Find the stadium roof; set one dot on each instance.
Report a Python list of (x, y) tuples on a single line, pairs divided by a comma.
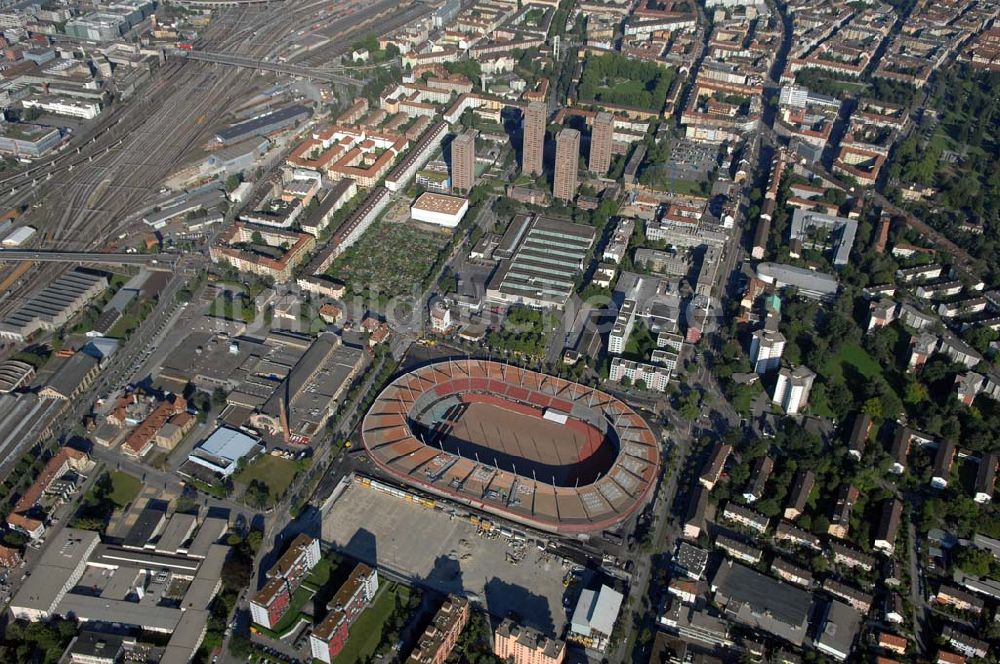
[(586, 505)]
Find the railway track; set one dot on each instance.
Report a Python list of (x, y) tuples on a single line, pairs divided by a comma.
[(81, 197)]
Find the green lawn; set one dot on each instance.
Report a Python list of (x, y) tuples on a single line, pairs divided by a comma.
[(688, 187), (320, 574), (274, 471), (294, 612), (819, 404), (640, 344), (366, 633), (853, 356), (126, 488), (744, 396), (123, 327)]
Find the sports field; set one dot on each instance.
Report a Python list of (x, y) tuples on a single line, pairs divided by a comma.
[(518, 439)]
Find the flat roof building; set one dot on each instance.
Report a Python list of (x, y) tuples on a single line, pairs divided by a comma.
[(329, 637), (221, 451), (91, 647), (691, 560), (815, 285), (300, 406), (440, 637), (791, 392), (439, 209), (839, 629), (545, 264), (56, 573), (761, 602), (525, 645), (594, 619), (823, 231)]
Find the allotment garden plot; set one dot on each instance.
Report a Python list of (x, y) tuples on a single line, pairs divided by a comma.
[(390, 259)]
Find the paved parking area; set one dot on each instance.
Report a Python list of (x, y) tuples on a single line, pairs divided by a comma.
[(446, 554)]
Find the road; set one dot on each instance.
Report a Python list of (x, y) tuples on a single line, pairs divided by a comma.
[(921, 613), (257, 64)]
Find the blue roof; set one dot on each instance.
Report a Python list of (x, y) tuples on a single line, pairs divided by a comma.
[(228, 444)]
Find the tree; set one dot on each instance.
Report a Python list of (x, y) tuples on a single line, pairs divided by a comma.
[(981, 337), (873, 408), (258, 494), (254, 539), (240, 647), (256, 237), (916, 393), (236, 571), (977, 562), (218, 397), (820, 525)]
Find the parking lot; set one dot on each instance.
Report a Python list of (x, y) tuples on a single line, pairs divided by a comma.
[(447, 554)]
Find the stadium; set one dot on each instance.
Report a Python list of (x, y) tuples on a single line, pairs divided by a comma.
[(535, 449)]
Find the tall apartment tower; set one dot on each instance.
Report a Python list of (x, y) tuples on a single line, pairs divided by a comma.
[(766, 347), (791, 392), (600, 143), (463, 161), (534, 138), (567, 164)]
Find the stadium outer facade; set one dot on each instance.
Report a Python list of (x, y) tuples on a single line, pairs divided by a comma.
[(577, 510)]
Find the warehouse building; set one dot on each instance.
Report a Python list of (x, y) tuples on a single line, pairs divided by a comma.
[(439, 209), (545, 264), (54, 305), (262, 125), (18, 236), (299, 408), (595, 616), (14, 375), (126, 587), (28, 140), (222, 450)]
